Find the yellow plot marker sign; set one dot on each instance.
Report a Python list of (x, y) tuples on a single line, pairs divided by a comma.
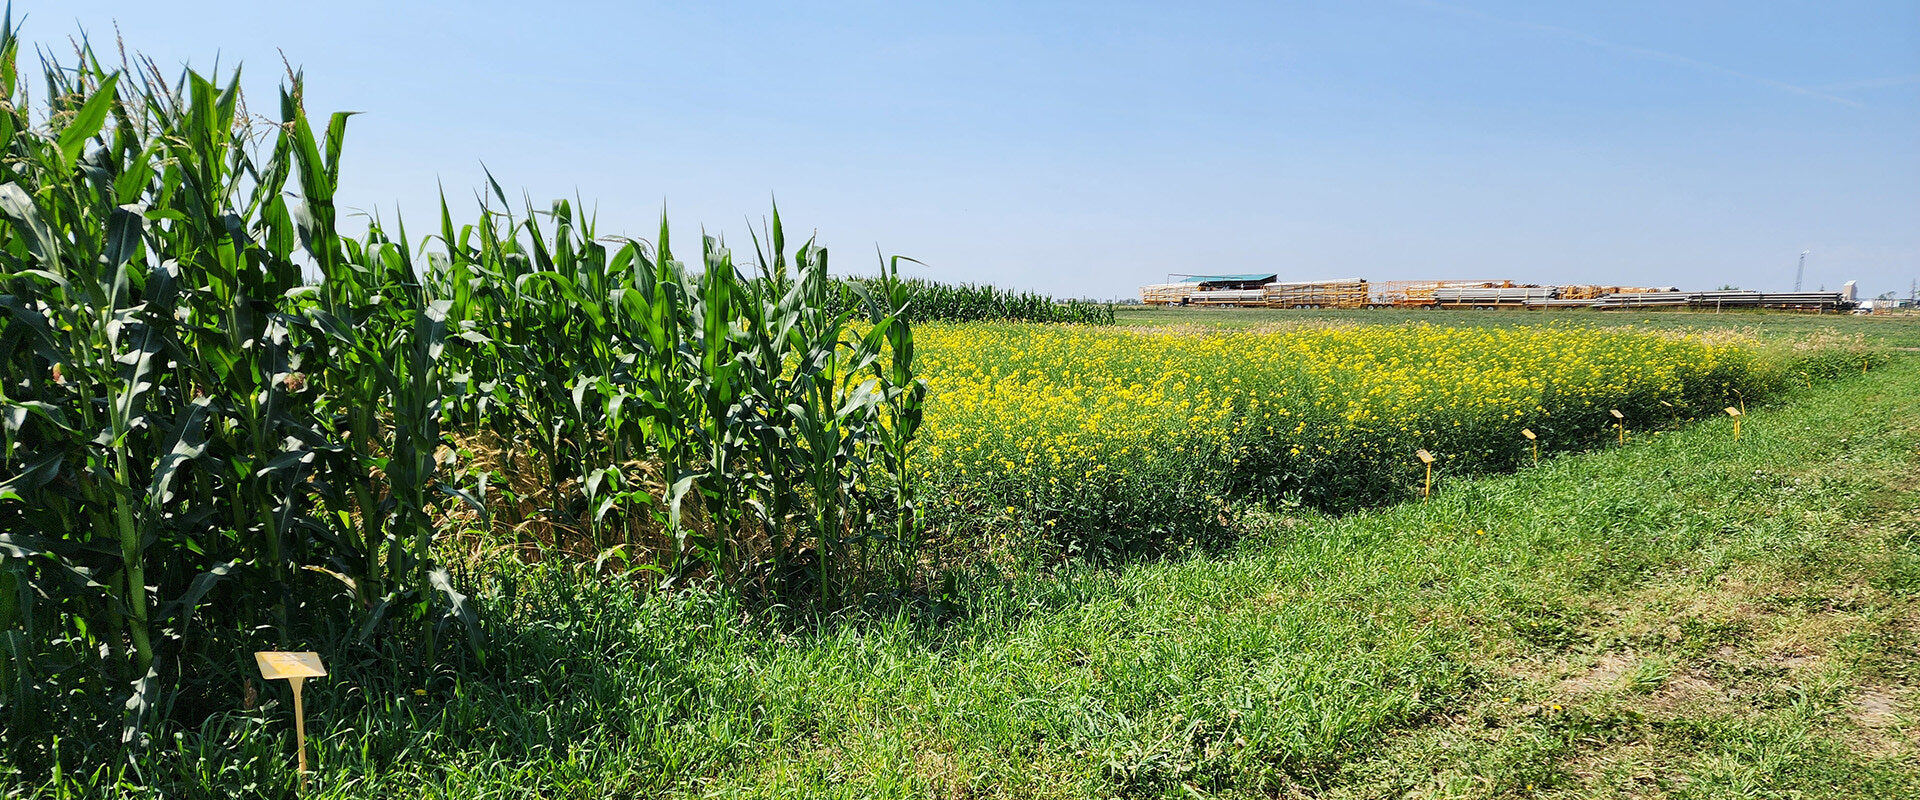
[(1528, 432), (1736, 414), (1619, 421), (294, 668), (1427, 459)]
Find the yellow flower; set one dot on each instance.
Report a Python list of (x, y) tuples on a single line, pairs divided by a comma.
[(1044, 413)]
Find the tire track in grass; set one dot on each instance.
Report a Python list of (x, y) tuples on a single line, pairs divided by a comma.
[(1768, 654)]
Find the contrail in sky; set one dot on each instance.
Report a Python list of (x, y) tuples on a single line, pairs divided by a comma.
[(1871, 83), (1640, 52)]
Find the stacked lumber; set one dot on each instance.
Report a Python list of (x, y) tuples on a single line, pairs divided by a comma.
[(1595, 292), (1420, 293), (1317, 294), (1358, 293), (1167, 294)]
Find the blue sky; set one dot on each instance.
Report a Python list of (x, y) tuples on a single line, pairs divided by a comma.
[(1086, 148)]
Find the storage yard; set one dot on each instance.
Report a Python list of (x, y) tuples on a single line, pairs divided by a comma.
[(1267, 291)]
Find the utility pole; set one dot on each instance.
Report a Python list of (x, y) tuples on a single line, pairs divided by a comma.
[(1802, 272)]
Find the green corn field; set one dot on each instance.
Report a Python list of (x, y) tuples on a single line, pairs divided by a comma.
[(230, 427), (942, 302)]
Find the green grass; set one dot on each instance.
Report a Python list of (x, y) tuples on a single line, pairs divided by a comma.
[(1686, 616), (1890, 331)]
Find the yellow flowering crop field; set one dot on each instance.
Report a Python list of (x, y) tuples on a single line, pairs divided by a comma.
[(1134, 438)]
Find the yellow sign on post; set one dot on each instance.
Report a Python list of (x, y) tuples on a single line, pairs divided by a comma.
[(1736, 414), (1619, 421), (294, 668), (1672, 410), (1535, 440), (1427, 459)]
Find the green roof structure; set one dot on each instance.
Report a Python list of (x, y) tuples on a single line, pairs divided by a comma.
[(1252, 277)]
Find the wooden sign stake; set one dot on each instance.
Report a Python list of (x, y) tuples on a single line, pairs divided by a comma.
[(1528, 432), (1426, 458), (295, 668), (1736, 414), (1619, 421)]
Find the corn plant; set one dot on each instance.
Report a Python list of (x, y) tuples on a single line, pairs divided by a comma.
[(229, 426), (933, 301), (206, 451)]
